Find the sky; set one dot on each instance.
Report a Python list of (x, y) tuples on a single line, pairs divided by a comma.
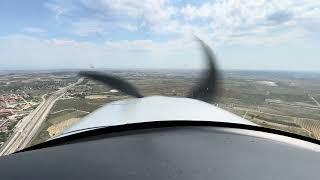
[(244, 34)]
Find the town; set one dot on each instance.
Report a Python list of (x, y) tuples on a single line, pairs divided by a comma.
[(13, 107), (21, 93)]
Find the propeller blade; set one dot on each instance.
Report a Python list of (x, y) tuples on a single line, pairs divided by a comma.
[(114, 82), (206, 89)]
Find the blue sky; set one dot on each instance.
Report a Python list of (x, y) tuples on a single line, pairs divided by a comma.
[(257, 34)]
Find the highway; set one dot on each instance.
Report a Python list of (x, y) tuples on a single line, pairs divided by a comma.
[(27, 128)]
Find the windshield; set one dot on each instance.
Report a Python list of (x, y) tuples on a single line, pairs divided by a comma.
[(266, 53)]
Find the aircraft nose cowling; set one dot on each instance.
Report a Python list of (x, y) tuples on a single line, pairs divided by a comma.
[(155, 108)]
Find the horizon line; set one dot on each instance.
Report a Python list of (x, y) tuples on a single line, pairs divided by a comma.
[(132, 69)]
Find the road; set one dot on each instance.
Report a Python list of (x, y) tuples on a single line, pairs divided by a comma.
[(28, 126), (314, 99)]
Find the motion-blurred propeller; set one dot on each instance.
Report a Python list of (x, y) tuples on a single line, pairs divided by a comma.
[(114, 82), (205, 90)]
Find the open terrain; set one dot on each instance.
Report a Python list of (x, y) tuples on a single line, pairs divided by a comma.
[(286, 101)]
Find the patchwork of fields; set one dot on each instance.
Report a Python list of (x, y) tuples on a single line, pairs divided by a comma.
[(280, 100)]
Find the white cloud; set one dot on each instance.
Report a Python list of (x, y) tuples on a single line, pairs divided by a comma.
[(57, 9), (87, 27), (129, 27), (152, 14), (220, 21), (65, 53), (27, 52), (153, 11), (34, 30), (190, 12), (241, 23), (261, 21)]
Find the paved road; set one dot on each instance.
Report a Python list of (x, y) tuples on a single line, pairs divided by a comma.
[(314, 99), (28, 126)]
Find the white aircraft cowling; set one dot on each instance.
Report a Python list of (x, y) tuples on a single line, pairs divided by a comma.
[(153, 108)]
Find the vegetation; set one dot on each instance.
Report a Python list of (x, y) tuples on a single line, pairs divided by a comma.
[(3, 136), (66, 109), (12, 125), (273, 119), (88, 105), (284, 105), (43, 134)]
